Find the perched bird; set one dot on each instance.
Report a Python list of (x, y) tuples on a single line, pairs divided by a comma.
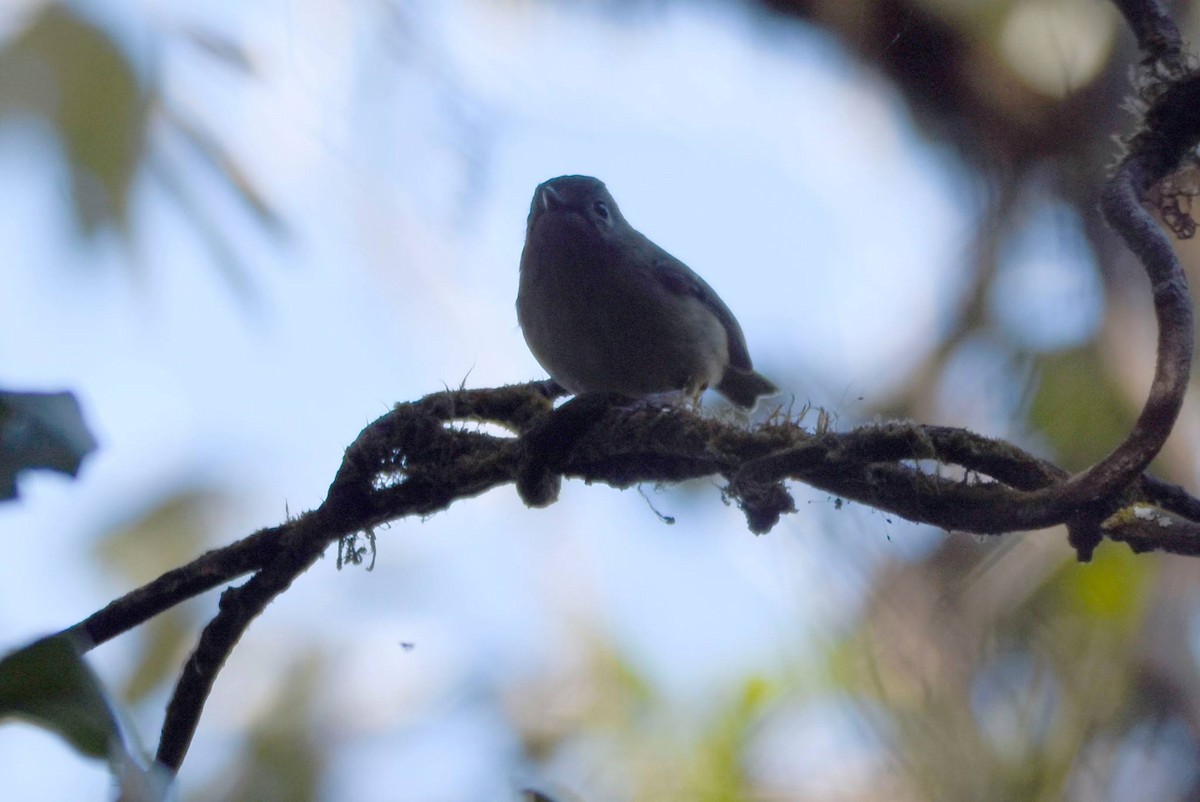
[(604, 309)]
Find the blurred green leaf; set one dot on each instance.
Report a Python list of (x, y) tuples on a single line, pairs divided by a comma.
[(717, 766), (533, 795), (68, 72), (283, 758), (40, 430), (219, 47), (163, 534), (1115, 587), (48, 683), (1112, 590), (214, 156), (167, 534), (170, 180), (65, 69), (165, 641), (1078, 407)]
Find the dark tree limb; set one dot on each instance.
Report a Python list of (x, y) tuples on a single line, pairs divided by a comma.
[(423, 456), (179, 584), (1084, 500), (238, 607), (1157, 35)]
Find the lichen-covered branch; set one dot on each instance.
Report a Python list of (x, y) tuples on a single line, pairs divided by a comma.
[(1157, 34)]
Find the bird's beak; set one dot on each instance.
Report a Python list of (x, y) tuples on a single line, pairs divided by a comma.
[(550, 199)]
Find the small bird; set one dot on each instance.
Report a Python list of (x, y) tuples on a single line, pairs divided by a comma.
[(604, 309)]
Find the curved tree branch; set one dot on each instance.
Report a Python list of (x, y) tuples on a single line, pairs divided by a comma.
[(1083, 501), (1157, 35)]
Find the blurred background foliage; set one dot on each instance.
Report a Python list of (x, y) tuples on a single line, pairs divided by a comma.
[(70, 76), (984, 669), (76, 81)]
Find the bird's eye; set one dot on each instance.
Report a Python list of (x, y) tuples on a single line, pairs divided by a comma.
[(601, 209)]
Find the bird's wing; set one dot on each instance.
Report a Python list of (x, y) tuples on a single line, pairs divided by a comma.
[(680, 279)]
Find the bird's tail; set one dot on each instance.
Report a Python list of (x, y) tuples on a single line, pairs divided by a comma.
[(743, 387)]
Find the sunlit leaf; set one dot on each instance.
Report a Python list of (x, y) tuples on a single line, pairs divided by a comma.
[(1112, 588), (1057, 46), (718, 765), (40, 430)]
